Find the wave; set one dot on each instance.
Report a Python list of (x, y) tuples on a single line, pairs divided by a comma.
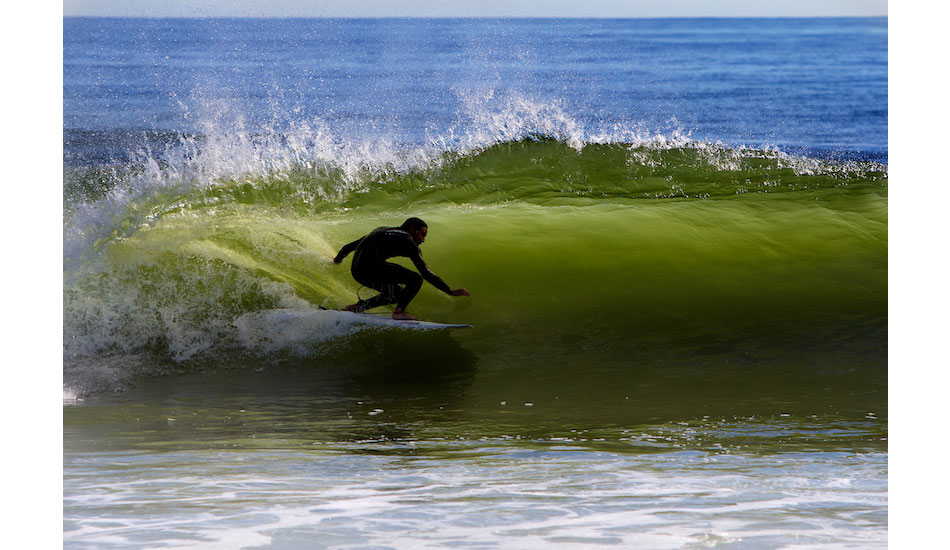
[(573, 242)]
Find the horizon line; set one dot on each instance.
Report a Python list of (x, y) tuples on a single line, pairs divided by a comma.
[(553, 17)]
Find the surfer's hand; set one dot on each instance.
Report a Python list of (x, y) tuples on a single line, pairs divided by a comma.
[(461, 292), (337, 260)]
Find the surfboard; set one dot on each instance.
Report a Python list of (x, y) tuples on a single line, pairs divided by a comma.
[(378, 319)]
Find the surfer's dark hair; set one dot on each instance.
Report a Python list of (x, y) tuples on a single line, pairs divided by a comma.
[(412, 224)]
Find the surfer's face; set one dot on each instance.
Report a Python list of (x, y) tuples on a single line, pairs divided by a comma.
[(419, 235)]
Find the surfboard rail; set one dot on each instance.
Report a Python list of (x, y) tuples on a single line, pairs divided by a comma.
[(380, 320)]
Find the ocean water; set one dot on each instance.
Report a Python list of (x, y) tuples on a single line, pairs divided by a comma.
[(674, 232)]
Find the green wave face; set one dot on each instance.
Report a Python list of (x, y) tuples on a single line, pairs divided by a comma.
[(606, 254)]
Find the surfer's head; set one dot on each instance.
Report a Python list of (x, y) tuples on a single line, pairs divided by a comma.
[(417, 228)]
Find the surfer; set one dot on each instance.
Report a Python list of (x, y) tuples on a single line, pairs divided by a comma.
[(371, 269)]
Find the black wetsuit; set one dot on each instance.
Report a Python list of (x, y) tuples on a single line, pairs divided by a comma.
[(371, 269)]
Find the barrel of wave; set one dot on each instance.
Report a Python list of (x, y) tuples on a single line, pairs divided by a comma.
[(595, 277), (605, 274)]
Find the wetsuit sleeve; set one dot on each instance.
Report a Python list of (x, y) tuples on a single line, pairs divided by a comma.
[(345, 251), (433, 279)]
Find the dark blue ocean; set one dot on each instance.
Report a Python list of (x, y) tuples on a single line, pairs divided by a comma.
[(803, 85), (675, 236)]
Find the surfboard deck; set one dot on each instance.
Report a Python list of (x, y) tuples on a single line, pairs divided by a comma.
[(377, 319)]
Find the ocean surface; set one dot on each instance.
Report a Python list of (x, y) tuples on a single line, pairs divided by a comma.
[(674, 232)]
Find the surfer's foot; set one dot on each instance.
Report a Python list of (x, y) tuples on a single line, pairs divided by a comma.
[(400, 315)]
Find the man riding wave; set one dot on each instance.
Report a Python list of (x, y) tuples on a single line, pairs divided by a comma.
[(395, 284)]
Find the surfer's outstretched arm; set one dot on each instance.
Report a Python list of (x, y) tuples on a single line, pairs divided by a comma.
[(434, 279), (345, 251)]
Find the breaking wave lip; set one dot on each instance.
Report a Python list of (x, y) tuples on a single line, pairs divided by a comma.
[(226, 150)]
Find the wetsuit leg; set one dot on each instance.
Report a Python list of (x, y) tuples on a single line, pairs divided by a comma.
[(386, 278)]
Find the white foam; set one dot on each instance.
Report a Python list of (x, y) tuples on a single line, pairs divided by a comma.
[(71, 396), (292, 330), (528, 499)]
